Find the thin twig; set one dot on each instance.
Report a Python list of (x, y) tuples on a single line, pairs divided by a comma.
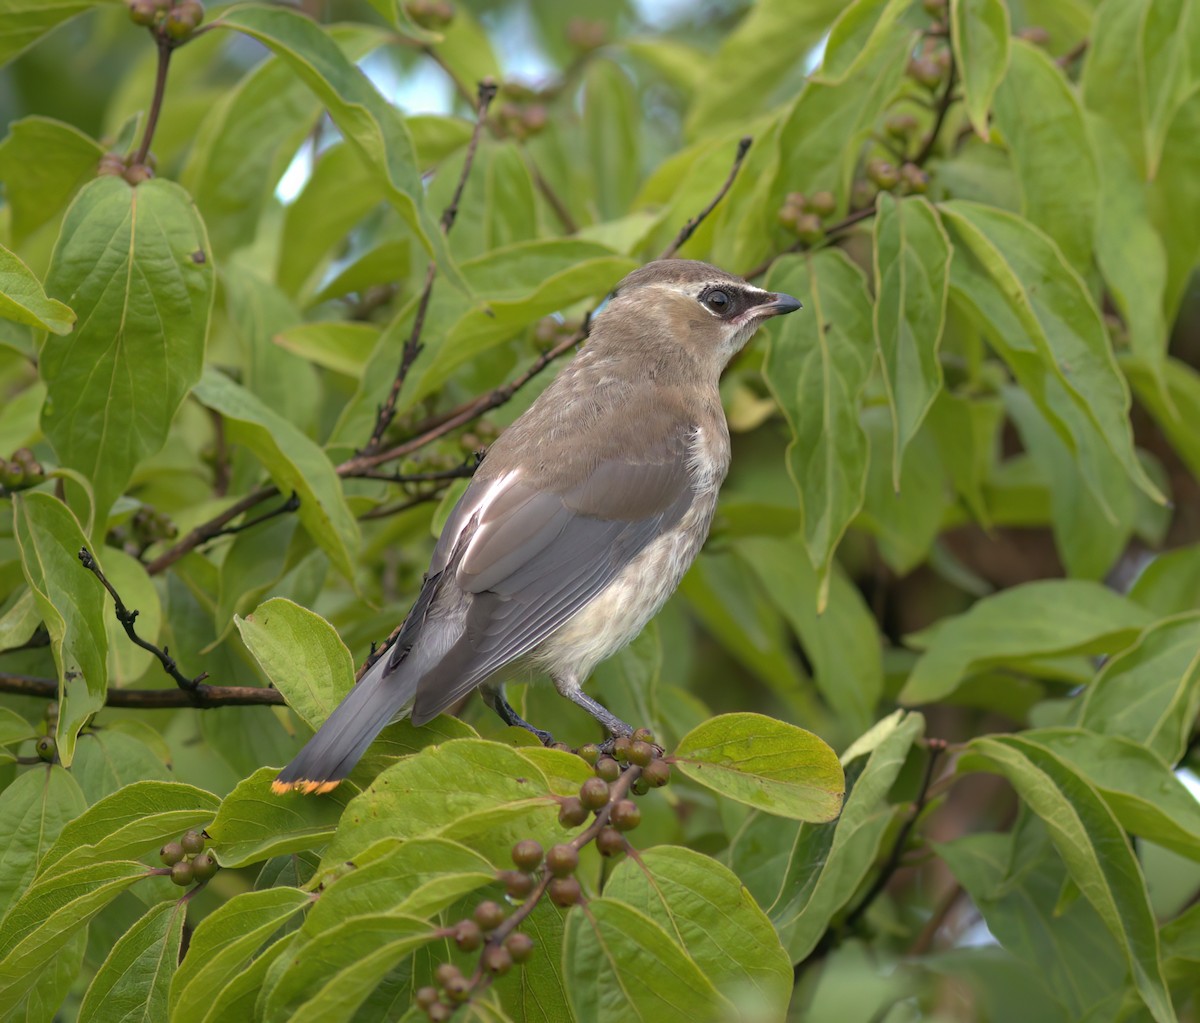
[(939, 117), (385, 511), (165, 48), (689, 228), (1073, 54), (290, 505), (207, 530), (203, 696), (412, 347), (832, 231), (127, 619), (459, 472), (553, 199)]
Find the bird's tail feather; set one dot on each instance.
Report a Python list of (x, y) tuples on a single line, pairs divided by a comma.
[(331, 754)]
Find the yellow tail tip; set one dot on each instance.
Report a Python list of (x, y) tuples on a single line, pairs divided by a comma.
[(304, 785)]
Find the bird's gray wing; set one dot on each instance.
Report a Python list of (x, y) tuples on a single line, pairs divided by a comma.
[(527, 558)]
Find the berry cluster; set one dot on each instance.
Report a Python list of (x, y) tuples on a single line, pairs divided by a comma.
[(146, 526), (630, 764), (188, 860), (805, 215), (173, 20), (23, 470)]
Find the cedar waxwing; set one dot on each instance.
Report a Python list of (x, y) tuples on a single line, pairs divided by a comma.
[(578, 524)]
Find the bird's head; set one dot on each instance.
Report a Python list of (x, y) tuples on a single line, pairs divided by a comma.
[(683, 302)]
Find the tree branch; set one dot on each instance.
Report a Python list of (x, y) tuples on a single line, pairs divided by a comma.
[(412, 347), (165, 48), (203, 696), (939, 117), (690, 227), (127, 618), (210, 529)]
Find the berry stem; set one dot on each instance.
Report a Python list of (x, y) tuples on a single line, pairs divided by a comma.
[(160, 88)]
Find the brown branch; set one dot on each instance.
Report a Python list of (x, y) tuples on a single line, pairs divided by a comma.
[(1073, 54), (290, 505), (385, 511), (203, 696), (553, 199), (459, 472), (127, 619), (833, 231), (690, 227), (165, 48), (207, 530), (412, 347), (939, 117)]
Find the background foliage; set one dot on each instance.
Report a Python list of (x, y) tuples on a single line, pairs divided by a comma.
[(960, 541)]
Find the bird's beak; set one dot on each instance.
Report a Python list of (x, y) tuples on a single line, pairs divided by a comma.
[(779, 305)]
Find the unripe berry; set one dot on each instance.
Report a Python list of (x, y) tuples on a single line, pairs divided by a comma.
[(915, 179), (192, 842), (171, 853), (144, 12), (562, 747), (520, 946), (586, 35), (608, 769), (458, 989), (136, 174), (527, 854), (934, 8), (468, 935), (787, 215), (562, 860), (625, 816), (497, 960), (641, 753), (564, 891), (593, 793), (809, 228), (862, 194), (445, 973), (572, 813), (590, 753), (519, 885), (657, 774), (439, 1013), (425, 997), (47, 748), (609, 842), (204, 866), (489, 915), (182, 874), (901, 126), (925, 72), (883, 174), (640, 786), (800, 201), (823, 203), (620, 748)]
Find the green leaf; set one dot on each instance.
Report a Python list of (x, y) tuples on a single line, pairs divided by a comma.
[(713, 918), (416, 876), (1041, 120), (518, 284), (239, 998), (108, 759), (296, 464), (366, 120), (822, 866), (338, 345), (223, 943), (764, 763), (134, 264), (1175, 199), (979, 32), (1175, 408), (129, 823), (1094, 849), (132, 983), (254, 824), (26, 21), (771, 40), (1170, 584), (1138, 785), (14, 728), (49, 915), (470, 790), (302, 655), (1047, 618), (841, 643), (612, 116), (20, 619), (857, 34), (816, 366), (1150, 692), (244, 144), (71, 602), (334, 973), (912, 282), (22, 299), (43, 163), (1016, 880), (127, 662), (620, 967), (33, 811), (1044, 324)]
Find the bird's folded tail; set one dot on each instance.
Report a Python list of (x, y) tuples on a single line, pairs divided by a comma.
[(330, 755)]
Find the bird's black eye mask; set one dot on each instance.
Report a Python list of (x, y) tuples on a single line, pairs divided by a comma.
[(725, 301)]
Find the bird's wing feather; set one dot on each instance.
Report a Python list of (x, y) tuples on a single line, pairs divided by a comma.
[(530, 558)]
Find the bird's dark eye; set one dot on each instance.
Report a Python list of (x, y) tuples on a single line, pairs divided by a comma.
[(717, 301)]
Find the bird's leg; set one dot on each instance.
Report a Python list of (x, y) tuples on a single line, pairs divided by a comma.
[(568, 686), (494, 697)]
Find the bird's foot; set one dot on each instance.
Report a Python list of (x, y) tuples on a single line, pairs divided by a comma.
[(498, 702)]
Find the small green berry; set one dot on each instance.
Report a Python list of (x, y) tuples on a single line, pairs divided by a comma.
[(439, 1013), (527, 854), (445, 973), (564, 891), (468, 936), (640, 786), (657, 774), (192, 842), (590, 753), (823, 204), (809, 228), (562, 860), (171, 853), (620, 748), (610, 841), (562, 747), (593, 793), (47, 748), (519, 885), (497, 960), (425, 997), (641, 753), (458, 989), (572, 812), (489, 915), (626, 815), (520, 946), (204, 866), (883, 174), (608, 769), (901, 126), (182, 874)]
